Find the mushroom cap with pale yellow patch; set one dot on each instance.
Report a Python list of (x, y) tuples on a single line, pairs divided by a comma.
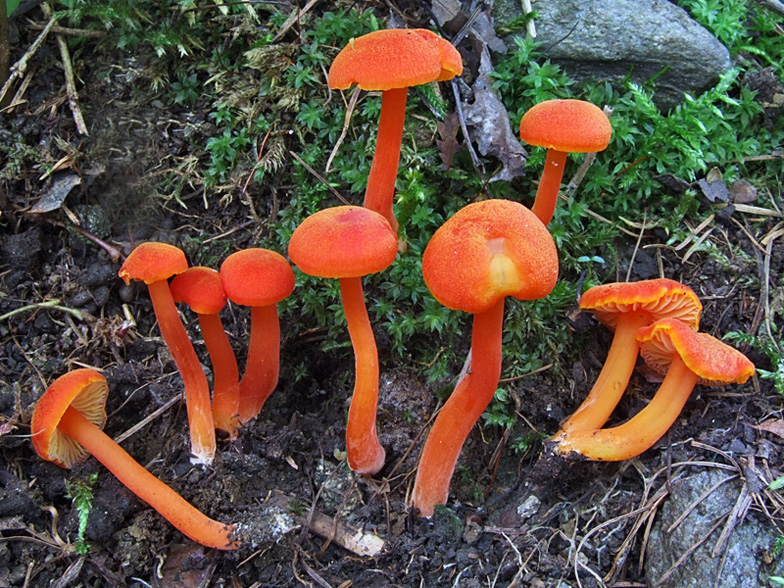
[(152, 262), (573, 126), (489, 250)]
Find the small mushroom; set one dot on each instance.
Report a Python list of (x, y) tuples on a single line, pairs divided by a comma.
[(391, 60), (66, 427), (348, 242), (202, 290), (487, 251), (688, 358), (624, 307), (562, 126), (154, 263), (258, 278)]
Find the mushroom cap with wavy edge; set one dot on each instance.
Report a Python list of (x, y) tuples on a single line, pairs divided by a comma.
[(661, 298), (572, 126), (489, 250), (152, 261), (86, 391), (343, 242), (715, 363), (394, 58), (257, 277), (200, 288)]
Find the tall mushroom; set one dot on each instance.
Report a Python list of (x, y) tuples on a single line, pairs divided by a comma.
[(624, 307), (154, 263), (391, 60), (66, 427), (562, 126), (201, 289), (258, 278), (487, 251), (688, 358), (348, 242)]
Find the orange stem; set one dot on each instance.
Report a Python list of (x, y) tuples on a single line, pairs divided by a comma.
[(197, 389), (365, 454), (641, 431), (263, 365), (380, 191), (226, 388), (458, 415), (549, 185), (173, 507)]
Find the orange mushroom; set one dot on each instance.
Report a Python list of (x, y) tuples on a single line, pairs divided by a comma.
[(258, 278), (624, 307), (348, 242), (154, 263), (201, 289), (391, 60), (66, 427), (487, 251), (688, 358), (562, 126)]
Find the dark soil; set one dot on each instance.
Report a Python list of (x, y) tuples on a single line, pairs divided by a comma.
[(493, 532)]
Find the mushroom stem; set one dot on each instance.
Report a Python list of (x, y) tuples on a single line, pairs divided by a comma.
[(179, 512), (380, 190), (197, 390), (614, 377), (365, 454), (458, 415), (641, 431), (262, 367), (225, 397), (549, 185)]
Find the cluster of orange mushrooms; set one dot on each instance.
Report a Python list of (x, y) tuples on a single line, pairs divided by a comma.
[(487, 251)]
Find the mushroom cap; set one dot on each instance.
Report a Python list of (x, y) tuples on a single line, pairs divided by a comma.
[(394, 58), (343, 242), (574, 126), (257, 277), (200, 288), (715, 363), (86, 391), (489, 250), (662, 298), (152, 262)]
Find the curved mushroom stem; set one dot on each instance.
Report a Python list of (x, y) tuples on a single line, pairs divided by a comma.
[(226, 388), (380, 190), (549, 185), (613, 379), (458, 415), (173, 507), (263, 365), (641, 431), (365, 454), (197, 390)]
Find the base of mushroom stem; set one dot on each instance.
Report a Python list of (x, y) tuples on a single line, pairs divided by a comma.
[(369, 462)]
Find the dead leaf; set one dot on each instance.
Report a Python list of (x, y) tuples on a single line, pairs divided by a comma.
[(743, 192), (187, 566), (714, 190), (57, 194), (673, 182), (448, 145), (775, 426)]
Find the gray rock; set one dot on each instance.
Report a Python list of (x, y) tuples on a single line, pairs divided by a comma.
[(639, 39), (745, 548)]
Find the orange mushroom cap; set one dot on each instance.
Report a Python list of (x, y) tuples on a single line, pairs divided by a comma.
[(573, 126), (257, 277), (343, 242), (151, 262), (394, 58), (489, 250), (200, 288), (714, 362)]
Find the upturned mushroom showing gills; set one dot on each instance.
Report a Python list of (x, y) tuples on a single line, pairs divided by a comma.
[(258, 278), (562, 126), (391, 60), (201, 289), (154, 263), (487, 251), (66, 427), (688, 358), (624, 307), (348, 242)]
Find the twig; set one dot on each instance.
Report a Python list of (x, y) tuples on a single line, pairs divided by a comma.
[(19, 68), (54, 303), (346, 122), (145, 421), (530, 26), (320, 178), (293, 18), (69, 31), (70, 86)]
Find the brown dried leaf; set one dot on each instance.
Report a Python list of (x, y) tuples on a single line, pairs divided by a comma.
[(448, 145), (775, 426)]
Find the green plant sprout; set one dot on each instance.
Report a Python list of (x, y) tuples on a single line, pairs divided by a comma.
[(81, 494), (772, 349)]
